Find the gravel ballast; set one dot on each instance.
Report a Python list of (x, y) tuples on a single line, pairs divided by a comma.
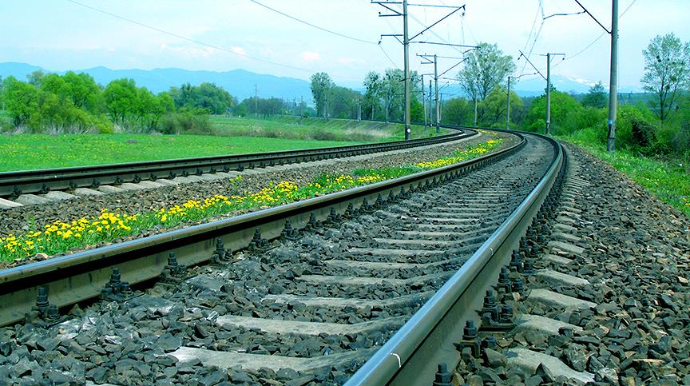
[(635, 258)]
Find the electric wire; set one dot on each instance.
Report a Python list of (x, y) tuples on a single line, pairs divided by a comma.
[(312, 25), (212, 46), (595, 40)]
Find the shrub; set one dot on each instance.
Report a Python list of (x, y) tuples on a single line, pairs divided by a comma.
[(185, 123)]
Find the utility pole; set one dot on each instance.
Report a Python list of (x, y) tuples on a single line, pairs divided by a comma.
[(424, 102), (508, 107), (475, 111), (406, 48), (256, 100), (438, 108), (548, 91), (440, 111), (430, 114), (613, 82), (548, 94), (301, 109), (406, 43), (359, 110), (613, 75)]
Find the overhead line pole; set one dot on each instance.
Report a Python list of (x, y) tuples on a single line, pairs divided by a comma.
[(613, 74), (508, 107), (406, 43), (548, 91), (406, 48), (438, 108), (424, 102), (613, 82)]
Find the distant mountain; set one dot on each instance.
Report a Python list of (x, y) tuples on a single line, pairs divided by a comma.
[(239, 83)]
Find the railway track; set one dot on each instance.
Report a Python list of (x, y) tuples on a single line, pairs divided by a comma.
[(374, 288), (40, 186)]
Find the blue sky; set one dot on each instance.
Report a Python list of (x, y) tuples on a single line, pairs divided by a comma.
[(62, 35)]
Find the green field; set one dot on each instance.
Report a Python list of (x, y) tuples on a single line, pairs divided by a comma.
[(42, 151), (668, 181), (315, 128), (232, 136)]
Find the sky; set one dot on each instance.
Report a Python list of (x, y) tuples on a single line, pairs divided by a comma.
[(222, 35)]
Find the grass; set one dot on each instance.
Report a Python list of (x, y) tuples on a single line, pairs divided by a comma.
[(316, 128), (666, 180), (61, 236), (232, 136), (42, 151)]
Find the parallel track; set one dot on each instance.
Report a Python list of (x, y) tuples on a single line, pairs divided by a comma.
[(455, 225), (14, 184)]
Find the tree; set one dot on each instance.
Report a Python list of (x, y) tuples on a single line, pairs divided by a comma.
[(456, 111), (596, 97), (485, 68), (492, 110), (667, 72), (342, 102), (565, 111), (321, 84), (121, 99), (372, 96), (21, 100)]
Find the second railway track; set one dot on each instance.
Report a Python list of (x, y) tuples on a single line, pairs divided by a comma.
[(23, 186), (304, 306)]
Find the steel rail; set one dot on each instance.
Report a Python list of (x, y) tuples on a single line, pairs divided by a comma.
[(412, 355), (13, 184), (81, 276)]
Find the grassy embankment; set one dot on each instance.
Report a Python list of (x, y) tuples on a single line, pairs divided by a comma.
[(668, 180), (232, 136)]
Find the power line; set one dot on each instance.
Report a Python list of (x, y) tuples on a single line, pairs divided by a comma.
[(312, 25), (389, 58), (595, 40), (215, 47)]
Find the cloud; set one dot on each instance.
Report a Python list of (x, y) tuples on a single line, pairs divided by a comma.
[(310, 56), (188, 52), (239, 50)]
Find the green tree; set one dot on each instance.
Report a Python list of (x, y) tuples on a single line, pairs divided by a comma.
[(342, 102), (596, 97), (371, 102), (492, 110), (121, 99), (485, 68), (457, 111), (21, 100), (321, 85), (667, 72), (565, 111)]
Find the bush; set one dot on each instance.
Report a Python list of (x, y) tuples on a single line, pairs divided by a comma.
[(185, 123)]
